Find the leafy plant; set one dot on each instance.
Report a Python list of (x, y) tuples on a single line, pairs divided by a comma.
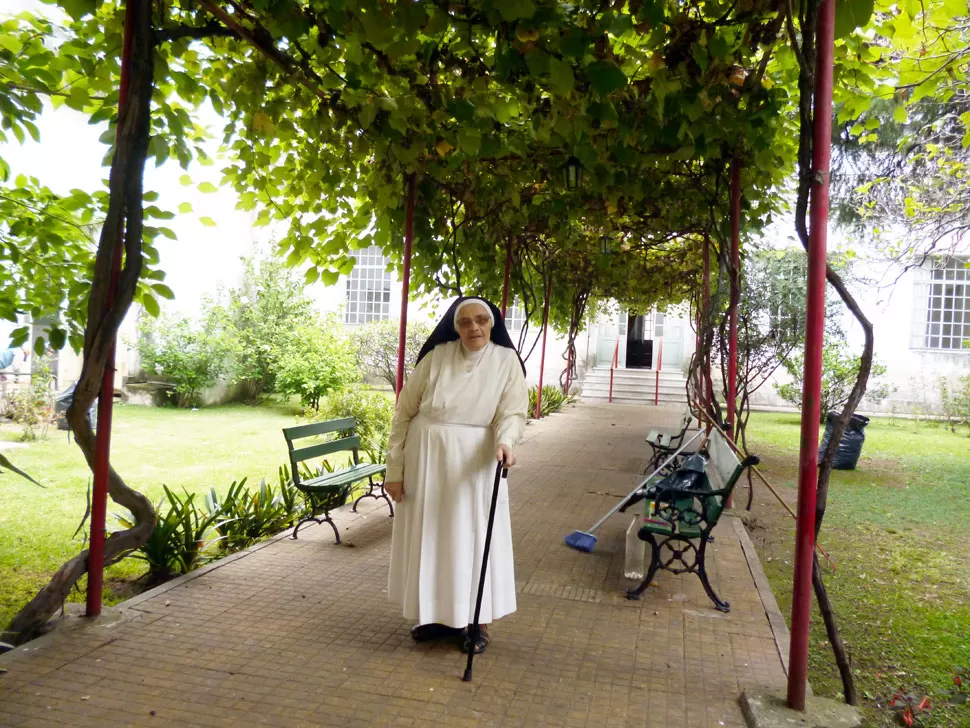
[(33, 407), (261, 321), (187, 354), (373, 412), (250, 516), (839, 371), (316, 361), (553, 400), (955, 402), (907, 707), (376, 345), (182, 534)]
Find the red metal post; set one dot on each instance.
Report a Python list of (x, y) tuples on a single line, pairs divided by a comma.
[(614, 363), (660, 363), (508, 271), (705, 317), (405, 287), (732, 383), (102, 444), (542, 359), (814, 330)]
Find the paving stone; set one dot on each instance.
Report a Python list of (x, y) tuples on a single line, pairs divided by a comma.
[(300, 632)]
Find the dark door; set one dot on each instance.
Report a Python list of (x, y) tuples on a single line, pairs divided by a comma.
[(639, 349)]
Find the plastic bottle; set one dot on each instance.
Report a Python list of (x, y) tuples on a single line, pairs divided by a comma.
[(636, 552)]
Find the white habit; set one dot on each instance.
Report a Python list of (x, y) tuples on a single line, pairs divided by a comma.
[(455, 408)]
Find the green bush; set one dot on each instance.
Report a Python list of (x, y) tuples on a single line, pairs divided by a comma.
[(182, 535), (553, 400), (839, 372), (250, 516), (191, 356), (376, 346), (373, 412), (955, 401), (317, 360), (33, 407)]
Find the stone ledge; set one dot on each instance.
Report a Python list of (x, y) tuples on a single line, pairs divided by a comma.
[(767, 709)]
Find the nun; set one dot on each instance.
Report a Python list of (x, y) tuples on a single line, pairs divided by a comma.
[(461, 412)]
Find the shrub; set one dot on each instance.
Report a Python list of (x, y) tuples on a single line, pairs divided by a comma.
[(373, 412), (955, 401), (33, 407), (190, 356), (839, 372), (376, 346), (553, 400), (182, 535), (318, 360), (250, 516)]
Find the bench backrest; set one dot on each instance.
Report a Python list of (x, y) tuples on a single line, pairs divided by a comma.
[(321, 449), (727, 469)]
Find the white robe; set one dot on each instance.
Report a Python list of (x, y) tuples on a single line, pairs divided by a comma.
[(455, 408)]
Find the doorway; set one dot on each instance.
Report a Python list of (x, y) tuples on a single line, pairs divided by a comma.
[(639, 342)]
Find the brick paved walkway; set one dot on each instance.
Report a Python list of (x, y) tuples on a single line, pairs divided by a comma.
[(300, 633)]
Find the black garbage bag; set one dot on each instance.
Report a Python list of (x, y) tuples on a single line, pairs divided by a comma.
[(850, 448), (62, 400), (689, 476)]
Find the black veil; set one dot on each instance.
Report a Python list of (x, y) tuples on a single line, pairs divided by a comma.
[(445, 330)]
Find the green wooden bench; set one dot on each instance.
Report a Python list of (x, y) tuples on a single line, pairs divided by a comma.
[(680, 528), (328, 490), (664, 444)]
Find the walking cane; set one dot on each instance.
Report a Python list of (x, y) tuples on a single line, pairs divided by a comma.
[(500, 472)]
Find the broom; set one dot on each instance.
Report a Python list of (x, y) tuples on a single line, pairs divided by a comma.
[(500, 472), (585, 540)]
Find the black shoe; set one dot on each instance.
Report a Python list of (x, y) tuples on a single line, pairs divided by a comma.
[(433, 631), (480, 644)]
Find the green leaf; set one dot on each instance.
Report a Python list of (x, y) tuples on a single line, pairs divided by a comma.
[(852, 14), (470, 140), (185, 179), (185, 207), (58, 338), (515, 9), (605, 77), (162, 290), (207, 188), (900, 115), (40, 347), (367, 115), (561, 75), (151, 305), (77, 9), (207, 221), (5, 463)]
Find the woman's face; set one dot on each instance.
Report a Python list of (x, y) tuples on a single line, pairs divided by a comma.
[(474, 326)]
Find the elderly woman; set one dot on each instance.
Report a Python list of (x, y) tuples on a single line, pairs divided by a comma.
[(461, 412)]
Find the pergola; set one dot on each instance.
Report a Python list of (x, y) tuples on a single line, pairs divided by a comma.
[(502, 173)]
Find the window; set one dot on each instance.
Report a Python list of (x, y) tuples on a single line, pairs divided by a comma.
[(368, 288), (515, 317), (947, 320)]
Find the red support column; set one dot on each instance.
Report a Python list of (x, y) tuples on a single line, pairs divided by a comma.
[(405, 286), (732, 383), (102, 444), (814, 330), (508, 270), (705, 317), (542, 360)]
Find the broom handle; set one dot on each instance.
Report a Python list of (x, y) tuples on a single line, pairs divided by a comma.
[(642, 483), (500, 472)]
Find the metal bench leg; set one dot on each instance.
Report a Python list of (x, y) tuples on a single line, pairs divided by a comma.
[(319, 521), (371, 494), (651, 572), (721, 605)]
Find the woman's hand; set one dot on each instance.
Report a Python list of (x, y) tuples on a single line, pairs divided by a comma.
[(504, 452), (395, 490)]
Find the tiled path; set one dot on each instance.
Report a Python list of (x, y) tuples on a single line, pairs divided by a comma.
[(299, 633)]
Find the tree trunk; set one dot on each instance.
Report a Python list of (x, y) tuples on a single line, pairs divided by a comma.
[(104, 319)]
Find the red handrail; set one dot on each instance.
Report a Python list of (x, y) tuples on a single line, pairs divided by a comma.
[(656, 386), (614, 364)]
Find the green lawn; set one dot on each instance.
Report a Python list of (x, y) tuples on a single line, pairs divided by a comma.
[(898, 528), (150, 447)]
